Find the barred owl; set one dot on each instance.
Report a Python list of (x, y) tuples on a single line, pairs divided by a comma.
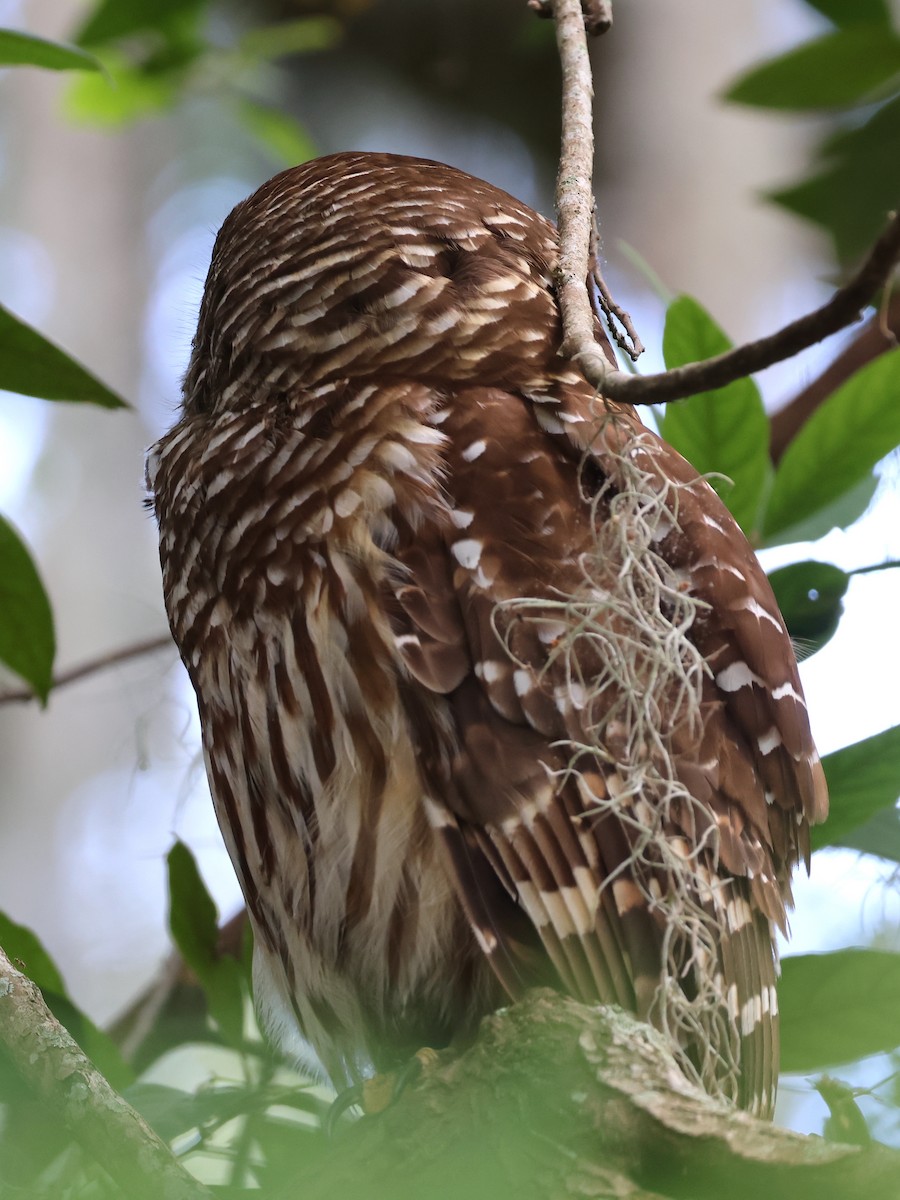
[(493, 691)]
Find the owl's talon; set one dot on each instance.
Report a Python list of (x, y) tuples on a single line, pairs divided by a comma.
[(377, 1093), (343, 1101), (411, 1070)]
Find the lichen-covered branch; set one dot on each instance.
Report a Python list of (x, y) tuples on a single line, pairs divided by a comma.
[(106, 1126), (557, 1100), (574, 198)]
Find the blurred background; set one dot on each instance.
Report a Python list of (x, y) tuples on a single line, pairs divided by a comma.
[(106, 227)]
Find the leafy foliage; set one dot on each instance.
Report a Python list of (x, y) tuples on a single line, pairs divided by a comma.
[(854, 429), (810, 596), (853, 12), (27, 642), (33, 366), (847, 67), (24, 49), (194, 923), (856, 182), (854, 74), (863, 782), (724, 433), (822, 999), (157, 57)]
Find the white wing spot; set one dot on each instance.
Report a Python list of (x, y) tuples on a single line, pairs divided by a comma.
[(731, 1000), (347, 502), (713, 523), (738, 914), (486, 939), (768, 741), (736, 676), (522, 682), (548, 421), (475, 450), (751, 1015), (460, 518), (761, 613), (467, 552), (531, 902), (438, 816), (490, 671)]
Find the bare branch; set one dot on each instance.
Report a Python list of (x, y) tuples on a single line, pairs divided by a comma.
[(574, 200), (94, 665), (107, 1127), (877, 336)]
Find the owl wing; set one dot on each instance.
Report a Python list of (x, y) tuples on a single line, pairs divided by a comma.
[(548, 846)]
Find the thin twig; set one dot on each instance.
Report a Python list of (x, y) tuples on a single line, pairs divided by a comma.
[(107, 1127), (574, 199), (626, 338), (92, 667)]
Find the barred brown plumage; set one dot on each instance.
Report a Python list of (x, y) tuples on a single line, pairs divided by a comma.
[(493, 690)]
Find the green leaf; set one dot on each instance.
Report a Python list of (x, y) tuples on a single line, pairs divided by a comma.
[(840, 514), (290, 37), (111, 19), (35, 367), (725, 431), (841, 69), (863, 779), (853, 12), (880, 835), (27, 641), (24, 949), (838, 446), (193, 917), (855, 185), (193, 920), (125, 94), (285, 138), (168, 1110), (24, 49), (810, 596), (226, 999), (836, 1008)]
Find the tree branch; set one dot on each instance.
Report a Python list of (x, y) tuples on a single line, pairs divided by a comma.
[(92, 667), (558, 1099), (574, 199), (877, 336), (107, 1127)]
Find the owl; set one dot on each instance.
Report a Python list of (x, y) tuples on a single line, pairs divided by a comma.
[(493, 691)]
